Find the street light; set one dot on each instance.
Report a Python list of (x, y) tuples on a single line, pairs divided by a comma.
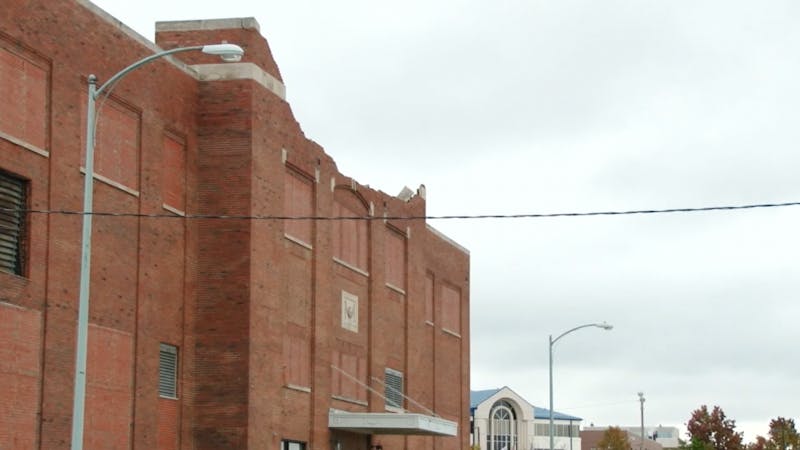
[(641, 401), (604, 326), (228, 53)]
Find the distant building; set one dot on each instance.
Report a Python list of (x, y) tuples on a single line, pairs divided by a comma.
[(666, 436), (502, 420), (591, 437)]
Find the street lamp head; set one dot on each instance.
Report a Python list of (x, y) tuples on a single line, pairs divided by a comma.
[(228, 52), (605, 326)]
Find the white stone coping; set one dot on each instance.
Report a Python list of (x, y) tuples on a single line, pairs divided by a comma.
[(240, 71)]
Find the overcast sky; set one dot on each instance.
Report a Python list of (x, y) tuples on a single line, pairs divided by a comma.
[(525, 106)]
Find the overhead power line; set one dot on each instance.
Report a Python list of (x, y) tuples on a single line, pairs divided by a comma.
[(391, 217)]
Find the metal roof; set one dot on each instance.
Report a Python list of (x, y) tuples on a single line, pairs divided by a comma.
[(478, 397), (544, 413)]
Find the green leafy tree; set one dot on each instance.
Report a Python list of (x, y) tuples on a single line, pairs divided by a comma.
[(782, 434), (712, 431), (614, 439)]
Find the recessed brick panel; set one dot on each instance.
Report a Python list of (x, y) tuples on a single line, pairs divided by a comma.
[(167, 431), (174, 173), (298, 202), (109, 383), (298, 288), (395, 258), (23, 88), (116, 149), (350, 238), (429, 297), (451, 308), (20, 369), (296, 361), (349, 375)]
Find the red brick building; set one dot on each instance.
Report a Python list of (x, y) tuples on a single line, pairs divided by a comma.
[(213, 323)]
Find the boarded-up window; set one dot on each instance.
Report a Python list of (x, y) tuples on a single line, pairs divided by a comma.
[(13, 202), (349, 375), (296, 361), (393, 389), (116, 149), (298, 201), (429, 298), (395, 259), (350, 235), (174, 172), (451, 309), (168, 371), (23, 88)]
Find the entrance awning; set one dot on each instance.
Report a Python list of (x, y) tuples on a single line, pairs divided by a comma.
[(391, 423)]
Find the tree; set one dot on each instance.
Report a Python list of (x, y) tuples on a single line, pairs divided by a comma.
[(614, 439), (713, 431), (782, 434), (759, 444)]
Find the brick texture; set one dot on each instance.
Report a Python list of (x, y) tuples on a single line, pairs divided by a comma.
[(20, 372), (109, 389), (167, 431), (253, 306), (23, 85)]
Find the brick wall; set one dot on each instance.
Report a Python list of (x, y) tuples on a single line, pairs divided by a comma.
[(256, 315)]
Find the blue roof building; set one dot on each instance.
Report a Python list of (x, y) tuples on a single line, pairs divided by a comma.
[(502, 420)]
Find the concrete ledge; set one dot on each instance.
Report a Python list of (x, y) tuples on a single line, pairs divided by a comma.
[(240, 71), (245, 23)]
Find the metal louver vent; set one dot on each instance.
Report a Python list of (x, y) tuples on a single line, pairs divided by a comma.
[(168, 371), (12, 223), (394, 388)]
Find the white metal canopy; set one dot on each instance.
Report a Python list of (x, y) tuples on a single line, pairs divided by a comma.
[(391, 423)]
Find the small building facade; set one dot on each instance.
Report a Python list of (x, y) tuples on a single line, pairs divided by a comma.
[(591, 437), (503, 420), (244, 294), (667, 437)]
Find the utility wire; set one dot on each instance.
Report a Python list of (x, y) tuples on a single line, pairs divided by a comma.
[(389, 217)]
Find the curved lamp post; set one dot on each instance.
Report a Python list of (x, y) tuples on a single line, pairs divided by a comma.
[(228, 53), (604, 326)]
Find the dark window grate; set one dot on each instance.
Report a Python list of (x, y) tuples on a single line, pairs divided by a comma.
[(13, 200), (394, 388), (168, 371)]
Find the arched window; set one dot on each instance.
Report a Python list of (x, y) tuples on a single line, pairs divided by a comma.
[(502, 427)]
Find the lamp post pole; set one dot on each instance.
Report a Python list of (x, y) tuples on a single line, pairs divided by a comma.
[(552, 341), (228, 53), (641, 415)]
